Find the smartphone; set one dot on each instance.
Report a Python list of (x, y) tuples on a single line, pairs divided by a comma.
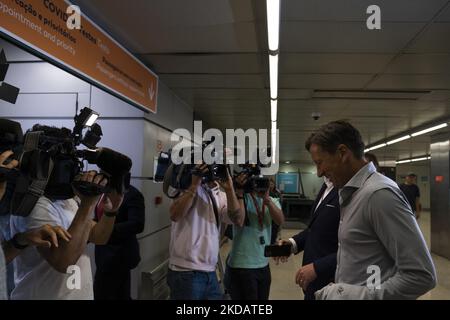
[(277, 251)]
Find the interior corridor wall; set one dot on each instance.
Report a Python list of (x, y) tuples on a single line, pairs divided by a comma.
[(52, 96)]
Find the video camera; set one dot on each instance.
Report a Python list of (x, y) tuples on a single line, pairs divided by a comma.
[(179, 177), (49, 161), (255, 180)]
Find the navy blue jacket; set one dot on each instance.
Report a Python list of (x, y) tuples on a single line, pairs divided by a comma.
[(320, 241), (122, 250)]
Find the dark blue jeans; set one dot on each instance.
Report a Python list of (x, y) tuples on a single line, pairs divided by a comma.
[(194, 285)]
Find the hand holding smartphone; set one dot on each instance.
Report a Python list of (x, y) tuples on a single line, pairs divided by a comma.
[(283, 250)]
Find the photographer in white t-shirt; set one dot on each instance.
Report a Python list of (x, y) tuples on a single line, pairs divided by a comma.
[(45, 236), (63, 272)]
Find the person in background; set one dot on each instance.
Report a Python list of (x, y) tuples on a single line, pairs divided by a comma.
[(43, 273), (412, 193), (273, 190), (120, 255), (276, 194), (45, 236), (249, 269), (378, 233), (197, 215), (370, 157), (319, 243)]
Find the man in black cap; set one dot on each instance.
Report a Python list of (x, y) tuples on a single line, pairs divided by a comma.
[(412, 193)]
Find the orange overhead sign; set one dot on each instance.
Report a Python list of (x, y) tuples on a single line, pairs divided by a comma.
[(89, 51)]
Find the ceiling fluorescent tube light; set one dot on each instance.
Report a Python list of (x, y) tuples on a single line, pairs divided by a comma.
[(274, 109), (274, 143), (398, 140), (273, 23), (367, 150), (378, 146), (273, 66), (419, 159), (443, 125), (403, 161)]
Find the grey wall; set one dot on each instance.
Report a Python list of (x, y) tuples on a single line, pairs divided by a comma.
[(440, 195), (50, 96)]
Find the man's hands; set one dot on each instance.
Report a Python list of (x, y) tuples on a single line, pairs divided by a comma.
[(305, 275), (200, 170), (267, 200), (45, 236), (241, 180), (282, 259), (227, 185), (13, 164), (93, 177), (112, 201)]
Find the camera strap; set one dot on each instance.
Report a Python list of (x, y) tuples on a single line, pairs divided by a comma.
[(259, 213), (214, 204), (37, 186), (167, 181)]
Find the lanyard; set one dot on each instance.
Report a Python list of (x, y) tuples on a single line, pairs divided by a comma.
[(259, 213)]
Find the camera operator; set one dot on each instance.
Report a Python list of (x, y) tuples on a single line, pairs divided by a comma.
[(249, 269), (41, 273), (120, 255), (45, 236), (194, 245)]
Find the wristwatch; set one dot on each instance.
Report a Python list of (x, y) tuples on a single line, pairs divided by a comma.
[(15, 243)]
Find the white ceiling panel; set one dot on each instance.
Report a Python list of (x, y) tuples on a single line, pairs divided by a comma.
[(224, 94), (323, 81), (410, 82), (333, 63), (205, 63), (355, 10), (420, 64), (152, 26), (213, 55), (345, 37), (445, 15), (433, 40), (295, 93), (213, 81)]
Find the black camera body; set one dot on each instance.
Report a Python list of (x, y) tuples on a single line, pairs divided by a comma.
[(179, 177), (256, 182), (49, 161)]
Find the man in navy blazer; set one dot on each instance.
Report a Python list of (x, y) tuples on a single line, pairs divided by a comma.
[(121, 254), (319, 242)]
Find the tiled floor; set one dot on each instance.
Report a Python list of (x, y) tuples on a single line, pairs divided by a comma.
[(284, 288)]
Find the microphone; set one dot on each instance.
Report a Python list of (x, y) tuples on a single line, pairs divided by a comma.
[(113, 162)]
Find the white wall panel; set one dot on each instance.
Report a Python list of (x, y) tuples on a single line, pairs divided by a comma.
[(42, 77), (110, 106), (40, 105)]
